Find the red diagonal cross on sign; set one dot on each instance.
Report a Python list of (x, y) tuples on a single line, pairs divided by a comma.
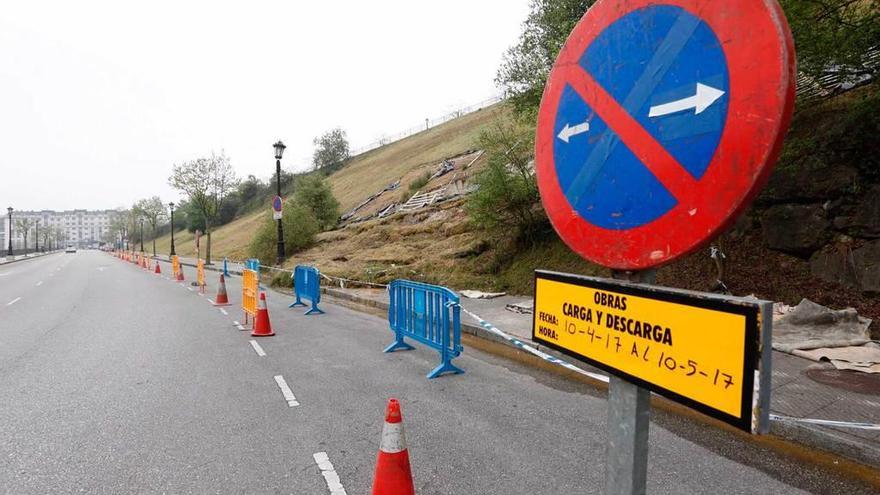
[(674, 177)]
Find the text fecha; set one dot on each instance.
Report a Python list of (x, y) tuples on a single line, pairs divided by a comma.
[(633, 327)]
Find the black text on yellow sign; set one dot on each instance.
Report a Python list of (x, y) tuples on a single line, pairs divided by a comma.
[(696, 349)]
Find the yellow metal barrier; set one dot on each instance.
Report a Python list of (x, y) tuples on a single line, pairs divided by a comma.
[(200, 275), (175, 267), (249, 287)]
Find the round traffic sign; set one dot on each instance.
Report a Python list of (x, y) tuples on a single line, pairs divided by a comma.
[(659, 124), (276, 203)]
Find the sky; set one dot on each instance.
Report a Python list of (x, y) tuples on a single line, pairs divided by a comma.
[(98, 100)]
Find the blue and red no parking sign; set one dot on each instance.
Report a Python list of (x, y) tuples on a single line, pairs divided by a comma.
[(660, 122)]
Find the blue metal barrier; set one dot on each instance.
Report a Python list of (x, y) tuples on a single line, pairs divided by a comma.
[(307, 284), (429, 314), (225, 267)]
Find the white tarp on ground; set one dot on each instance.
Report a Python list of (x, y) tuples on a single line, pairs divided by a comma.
[(475, 294), (813, 326), (865, 358)]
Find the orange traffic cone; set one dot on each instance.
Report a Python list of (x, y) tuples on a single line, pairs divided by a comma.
[(262, 325), (222, 299), (180, 273), (393, 474), (158, 270)]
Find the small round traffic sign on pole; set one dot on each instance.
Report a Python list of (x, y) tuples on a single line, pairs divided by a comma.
[(660, 123), (277, 205)]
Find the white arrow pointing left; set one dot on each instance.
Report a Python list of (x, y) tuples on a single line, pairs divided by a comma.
[(703, 99), (568, 131)]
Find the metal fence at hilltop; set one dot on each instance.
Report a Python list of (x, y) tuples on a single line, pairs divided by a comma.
[(429, 123)]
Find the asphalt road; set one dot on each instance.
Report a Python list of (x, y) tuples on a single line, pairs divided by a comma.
[(114, 380)]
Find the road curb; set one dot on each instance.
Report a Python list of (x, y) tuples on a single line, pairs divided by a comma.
[(803, 435)]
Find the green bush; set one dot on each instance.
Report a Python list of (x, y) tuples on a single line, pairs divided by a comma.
[(420, 182), (313, 192), (300, 228), (507, 200)]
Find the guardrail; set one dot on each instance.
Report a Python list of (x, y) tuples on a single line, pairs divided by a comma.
[(250, 287), (428, 314), (307, 284)]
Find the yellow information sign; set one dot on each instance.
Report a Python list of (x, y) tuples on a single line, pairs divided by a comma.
[(699, 349), (175, 266)]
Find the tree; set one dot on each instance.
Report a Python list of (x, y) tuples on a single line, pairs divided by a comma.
[(118, 226), (313, 192), (252, 189), (154, 211), (526, 65), (331, 149), (833, 36), (507, 199), (206, 182), (24, 225), (48, 234), (60, 236), (300, 228)]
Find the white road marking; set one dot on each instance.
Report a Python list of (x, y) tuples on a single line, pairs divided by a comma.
[(258, 349), (211, 301), (39, 283), (224, 311), (189, 289), (286, 392), (239, 325), (10, 303), (329, 473)]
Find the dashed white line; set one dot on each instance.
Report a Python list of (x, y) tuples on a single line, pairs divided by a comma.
[(223, 311), (189, 289), (39, 283), (258, 349), (201, 295), (329, 473), (239, 325), (286, 392), (211, 301), (10, 303)]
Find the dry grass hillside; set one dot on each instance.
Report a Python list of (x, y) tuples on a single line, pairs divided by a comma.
[(365, 175)]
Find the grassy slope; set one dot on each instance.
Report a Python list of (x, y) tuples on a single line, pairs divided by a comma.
[(366, 174)]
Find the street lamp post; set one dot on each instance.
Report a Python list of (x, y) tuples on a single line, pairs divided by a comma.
[(279, 150), (37, 236), (9, 216), (171, 205), (142, 235)]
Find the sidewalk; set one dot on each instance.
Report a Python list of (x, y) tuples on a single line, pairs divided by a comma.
[(794, 394), (22, 257)]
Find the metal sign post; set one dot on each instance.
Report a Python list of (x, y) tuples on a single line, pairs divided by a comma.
[(629, 414)]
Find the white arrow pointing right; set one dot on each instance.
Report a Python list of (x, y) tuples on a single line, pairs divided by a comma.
[(703, 99)]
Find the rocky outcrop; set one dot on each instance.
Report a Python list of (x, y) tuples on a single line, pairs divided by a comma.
[(796, 229), (856, 267), (809, 182)]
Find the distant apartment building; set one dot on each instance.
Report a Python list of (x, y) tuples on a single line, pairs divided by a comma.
[(81, 228)]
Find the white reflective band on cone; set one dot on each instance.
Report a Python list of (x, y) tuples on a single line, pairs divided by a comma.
[(393, 438)]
